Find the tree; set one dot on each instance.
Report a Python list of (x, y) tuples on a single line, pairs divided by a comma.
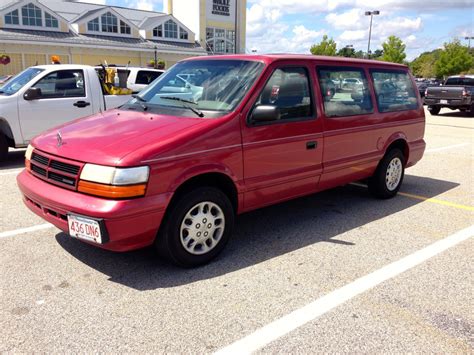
[(377, 54), (453, 59), (325, 47), (347, 52), (424, 65), (393, 50)]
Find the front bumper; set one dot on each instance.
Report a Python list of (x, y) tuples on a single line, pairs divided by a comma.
[(129, 224)]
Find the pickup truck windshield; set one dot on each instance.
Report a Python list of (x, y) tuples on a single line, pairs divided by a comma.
[(215, 85), (460, 82), (18, 81)]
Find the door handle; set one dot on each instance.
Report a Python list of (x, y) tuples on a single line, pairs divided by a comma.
[(81, 103), (311, 145)]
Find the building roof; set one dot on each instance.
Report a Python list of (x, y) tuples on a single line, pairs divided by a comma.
[(75, 11)]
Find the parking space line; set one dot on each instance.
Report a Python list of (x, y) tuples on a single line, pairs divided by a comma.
[(439, 202), (25, 230), (288, 323), (432, 150), (11, 172)]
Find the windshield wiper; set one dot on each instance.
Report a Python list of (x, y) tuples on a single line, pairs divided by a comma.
[(195, 110), (141, 99)]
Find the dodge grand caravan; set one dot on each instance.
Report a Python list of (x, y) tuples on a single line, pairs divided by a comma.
[(174, 165)]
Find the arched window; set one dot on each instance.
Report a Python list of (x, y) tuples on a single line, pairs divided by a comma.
[(12, 18), (183, 34), (109, 23), (31, 15), (50, 21), (171, 29), (158, 31)]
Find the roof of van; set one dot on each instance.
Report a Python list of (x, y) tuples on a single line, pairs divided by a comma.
[(268, 58)]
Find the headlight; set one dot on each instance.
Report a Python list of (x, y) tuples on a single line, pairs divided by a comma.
[(29, 152), (107, 181)]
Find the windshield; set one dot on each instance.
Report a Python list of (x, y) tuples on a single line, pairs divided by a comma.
[(18, 81), (214, 85)]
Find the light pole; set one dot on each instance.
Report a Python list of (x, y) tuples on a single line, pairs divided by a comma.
[(469, 41), (371, 14)]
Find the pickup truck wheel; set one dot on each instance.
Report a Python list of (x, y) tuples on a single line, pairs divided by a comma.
[(434, 110), (196, 228), (3, 147), (388, 177)]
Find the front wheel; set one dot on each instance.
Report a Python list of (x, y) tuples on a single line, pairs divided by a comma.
[(434, 110), (196, 228), (388, 177)]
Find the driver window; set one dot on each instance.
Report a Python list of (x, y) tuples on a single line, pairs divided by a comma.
[(60, 84), (288, 89)]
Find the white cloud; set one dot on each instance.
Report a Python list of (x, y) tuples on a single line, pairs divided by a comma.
[(141, 4)]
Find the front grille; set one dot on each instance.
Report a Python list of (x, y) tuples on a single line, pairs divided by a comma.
[(55, 171)]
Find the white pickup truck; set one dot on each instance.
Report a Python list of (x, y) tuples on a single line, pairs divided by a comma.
[(45, 96)]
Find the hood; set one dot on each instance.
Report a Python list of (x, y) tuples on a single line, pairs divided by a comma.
[(109, 137)]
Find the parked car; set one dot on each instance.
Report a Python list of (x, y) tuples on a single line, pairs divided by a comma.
[(457, 93), (136, 78), (174, 172), (45, 96), (351, 83)]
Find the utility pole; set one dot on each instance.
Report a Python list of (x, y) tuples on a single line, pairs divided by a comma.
[(469, 41), (235, 27), (371, 14)]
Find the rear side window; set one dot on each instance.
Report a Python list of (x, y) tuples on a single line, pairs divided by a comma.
[(345, 91), (145, 77), (394, 90), (288, 89), (461, 81)]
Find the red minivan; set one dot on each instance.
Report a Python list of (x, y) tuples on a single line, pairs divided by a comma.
[(214, 137)]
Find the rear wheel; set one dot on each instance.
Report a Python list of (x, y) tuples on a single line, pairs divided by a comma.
[(434, 110), (3, 147), (196, 228), (388, 177)]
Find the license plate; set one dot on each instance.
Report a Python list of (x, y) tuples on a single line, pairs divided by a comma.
[(84, 228), (443, 101)]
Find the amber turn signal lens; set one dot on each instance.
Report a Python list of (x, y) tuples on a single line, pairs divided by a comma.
[(110, 191), (27, 165)]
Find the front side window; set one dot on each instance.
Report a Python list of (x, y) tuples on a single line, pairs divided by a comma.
[(345, 91), (158, 31), (214, 85), (31, 15), (171, 29), (93, 25), (12, 18), (288, 89), (61, 84), (124, 28), (394, 90), (109, 23), (50, 21)]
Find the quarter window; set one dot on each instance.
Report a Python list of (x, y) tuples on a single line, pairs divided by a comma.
[(171, 29), (50, 21), (31, 15), (288, 89), (345, 91), (394, 90), (12, 18), (109, 23)]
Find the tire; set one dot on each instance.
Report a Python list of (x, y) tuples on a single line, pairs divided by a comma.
[(3, 147), (188, 242), (434, 110), (388, 176)]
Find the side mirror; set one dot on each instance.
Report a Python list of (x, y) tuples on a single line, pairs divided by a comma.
[(32, 94), (265, 113)]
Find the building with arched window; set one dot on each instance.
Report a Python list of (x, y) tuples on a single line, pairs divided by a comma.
[(219, 25), (31, 31)]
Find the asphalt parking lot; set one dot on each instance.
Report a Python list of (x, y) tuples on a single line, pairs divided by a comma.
[(287, 282)]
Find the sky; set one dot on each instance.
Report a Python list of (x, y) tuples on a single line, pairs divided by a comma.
[(292, 26)]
